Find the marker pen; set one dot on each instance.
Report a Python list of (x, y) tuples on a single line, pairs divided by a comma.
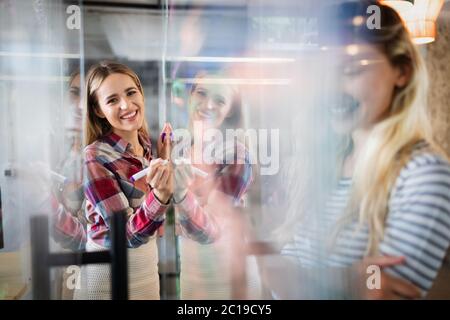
[(195, 170), (143, 173), (163, 136), (139, 175), (58, 177)]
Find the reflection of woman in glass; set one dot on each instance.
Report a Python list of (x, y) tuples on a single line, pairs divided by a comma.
[(209, 247), (390, 206), (118, 146), (68, 222)]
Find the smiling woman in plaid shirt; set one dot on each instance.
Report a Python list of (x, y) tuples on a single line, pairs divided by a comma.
[(118, 146), (211, 254)]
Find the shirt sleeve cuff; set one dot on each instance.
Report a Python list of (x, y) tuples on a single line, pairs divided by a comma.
[(186, 205), (154, 208)]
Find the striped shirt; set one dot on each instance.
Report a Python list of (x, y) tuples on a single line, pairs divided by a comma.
[(417, 225), (109, 165)]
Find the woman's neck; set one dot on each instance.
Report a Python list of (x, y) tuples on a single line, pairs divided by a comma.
[(132, 138), (359, 138)]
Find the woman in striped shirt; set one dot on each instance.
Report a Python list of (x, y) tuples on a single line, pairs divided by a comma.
[(118, 146), (391, 203)]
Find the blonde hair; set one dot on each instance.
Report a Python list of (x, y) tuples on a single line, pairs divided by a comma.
[(392, 140), (96, 127)]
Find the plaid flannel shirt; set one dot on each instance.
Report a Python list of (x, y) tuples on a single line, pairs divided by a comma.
[(68, 221), (109, 165), (67, 202), (232, 179)]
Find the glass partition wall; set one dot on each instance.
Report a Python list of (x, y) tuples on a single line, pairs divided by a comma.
[(41, 47)]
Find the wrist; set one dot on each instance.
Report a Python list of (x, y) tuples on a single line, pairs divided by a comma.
[(178, 196), (162, 197)]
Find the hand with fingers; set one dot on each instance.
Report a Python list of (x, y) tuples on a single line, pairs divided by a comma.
[(160, 179), (160, 173), (391, 287), (164, 144), (183, 178)]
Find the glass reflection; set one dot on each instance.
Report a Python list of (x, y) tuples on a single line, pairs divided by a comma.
[(212, 180)]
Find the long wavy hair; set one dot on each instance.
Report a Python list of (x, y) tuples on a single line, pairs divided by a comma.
[(96, 127), (392, 140)]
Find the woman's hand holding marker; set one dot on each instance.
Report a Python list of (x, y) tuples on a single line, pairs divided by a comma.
[(160, 179), (164, 144), (159, 175), (184, 174), (183, 178)]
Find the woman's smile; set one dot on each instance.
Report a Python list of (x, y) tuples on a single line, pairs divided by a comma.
[(130, 116), (205, 114), (346, 105)]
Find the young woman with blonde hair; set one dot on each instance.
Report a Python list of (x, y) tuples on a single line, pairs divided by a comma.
[(212, 255), (118, 146), (390, 205)]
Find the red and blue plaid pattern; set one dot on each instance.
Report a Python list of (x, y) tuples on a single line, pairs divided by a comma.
[(69, 227), (67, 199), (231, 179), (109, 164)]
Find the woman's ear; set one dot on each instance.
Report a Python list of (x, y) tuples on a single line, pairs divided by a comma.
[(404, 72), (98, 112)]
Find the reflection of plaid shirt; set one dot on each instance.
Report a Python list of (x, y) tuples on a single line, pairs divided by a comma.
[(232, 179), (109, 164), (67, 200), (68, 222)]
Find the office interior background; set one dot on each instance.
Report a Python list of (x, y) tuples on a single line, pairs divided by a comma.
[(269, 48)]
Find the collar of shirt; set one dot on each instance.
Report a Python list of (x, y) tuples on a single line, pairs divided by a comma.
[(121, 145)]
